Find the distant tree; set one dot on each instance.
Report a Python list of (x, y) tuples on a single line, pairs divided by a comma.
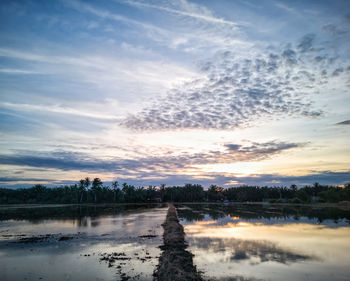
[(84, 185), (190, 192), (129, 192), (81, 189), (162, 191), (293, 189), (115, 186), (96, 187), (214, 193)]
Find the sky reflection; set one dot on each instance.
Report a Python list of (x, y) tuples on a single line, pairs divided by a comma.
[(92, 231), (230, 246)]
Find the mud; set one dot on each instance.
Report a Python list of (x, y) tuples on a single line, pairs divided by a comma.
[(42, 238), (120, 260), (148, 236), (175, 263)]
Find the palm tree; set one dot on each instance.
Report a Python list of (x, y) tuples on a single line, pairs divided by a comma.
[(115, 185), (83, 186), (162, 191), (96, 185)]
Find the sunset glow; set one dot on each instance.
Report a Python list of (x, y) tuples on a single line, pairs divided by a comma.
[(153, 92)]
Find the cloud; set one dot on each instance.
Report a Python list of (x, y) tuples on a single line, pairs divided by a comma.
[(237, 91), (189, 10), (333, 29), (323, 177), (259, 250), (346, 122), (13, 179), (347, 18), (306, 42), (83, 7), (286, 8), (266, 148), (151, 166), (205, 34), (233, 147), (17, 71), (57, 109)]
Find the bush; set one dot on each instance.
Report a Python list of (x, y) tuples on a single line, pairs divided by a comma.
[(344, 203), (296, 200)]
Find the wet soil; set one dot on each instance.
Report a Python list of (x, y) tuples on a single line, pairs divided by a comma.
[(148, 236), (22, 238), (175, 263), (120, 260)]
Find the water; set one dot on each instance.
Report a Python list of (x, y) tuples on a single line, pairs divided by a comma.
[(70, 243), (230, 242), (257, 242)]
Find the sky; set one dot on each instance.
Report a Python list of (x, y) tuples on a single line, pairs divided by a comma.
[(174, 92)]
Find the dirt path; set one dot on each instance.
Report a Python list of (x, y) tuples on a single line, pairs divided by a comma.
[(175, 263)]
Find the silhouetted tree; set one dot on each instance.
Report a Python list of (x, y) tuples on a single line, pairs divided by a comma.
[(115, 186), (188, 193), (96, 187)]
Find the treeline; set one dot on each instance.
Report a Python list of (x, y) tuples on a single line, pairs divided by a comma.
[(87, 191)]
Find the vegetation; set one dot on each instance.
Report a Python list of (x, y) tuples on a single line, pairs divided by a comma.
[(87, 191)]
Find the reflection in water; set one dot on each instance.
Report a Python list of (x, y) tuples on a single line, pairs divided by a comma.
[(235, 278), (252, 242), (259, 212), (260, 251), (74, 213), (69, 242)]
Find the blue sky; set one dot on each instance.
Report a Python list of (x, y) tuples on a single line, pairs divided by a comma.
[(152, 92)]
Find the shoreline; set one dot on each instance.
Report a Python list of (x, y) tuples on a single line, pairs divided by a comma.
[(318, 205)]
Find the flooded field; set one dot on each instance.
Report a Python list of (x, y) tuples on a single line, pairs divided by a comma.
[(80, 242), (121, 242), (255, 242)]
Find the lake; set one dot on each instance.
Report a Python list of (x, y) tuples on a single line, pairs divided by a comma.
[(121, 242)]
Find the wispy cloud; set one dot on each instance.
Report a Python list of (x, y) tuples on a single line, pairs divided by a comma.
[(17, 71), (54, 59), (87, 68), (191, 11), (267, 148), (105, 14), (190, 38), (286, 8), (57, 109)]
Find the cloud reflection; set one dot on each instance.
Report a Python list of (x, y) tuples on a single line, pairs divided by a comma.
[(256, 251)]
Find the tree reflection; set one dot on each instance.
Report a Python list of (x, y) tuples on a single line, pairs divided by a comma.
[(197, 212), (79, 214)]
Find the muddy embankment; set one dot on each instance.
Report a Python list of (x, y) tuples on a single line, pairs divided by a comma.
[(175, 263)]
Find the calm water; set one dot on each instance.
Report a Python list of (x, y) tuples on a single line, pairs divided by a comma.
[(253, 242), (239, 242), (70, 243)]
